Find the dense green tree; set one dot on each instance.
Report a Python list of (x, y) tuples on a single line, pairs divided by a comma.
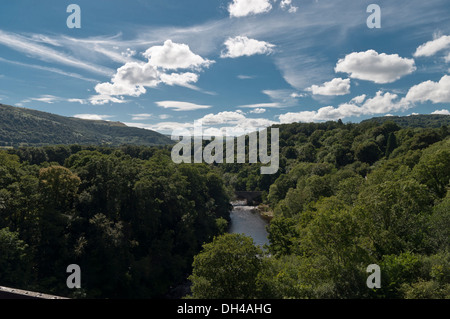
[(433, 168), (391, 144), (227, 268), (368, 152), (14, 261)]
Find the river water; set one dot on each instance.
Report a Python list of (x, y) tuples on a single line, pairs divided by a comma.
[(245, 220)]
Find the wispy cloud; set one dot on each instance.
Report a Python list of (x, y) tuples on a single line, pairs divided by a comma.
[(45, 53), (181, 106), (141, 116), (49, 69), (98, 117)]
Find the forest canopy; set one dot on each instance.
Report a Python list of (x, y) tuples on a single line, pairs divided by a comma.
[(345, 196)]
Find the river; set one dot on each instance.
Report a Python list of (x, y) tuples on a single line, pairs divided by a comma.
[(245, 220)]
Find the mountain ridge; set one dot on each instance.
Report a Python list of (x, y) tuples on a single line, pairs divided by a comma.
[(27, 127)]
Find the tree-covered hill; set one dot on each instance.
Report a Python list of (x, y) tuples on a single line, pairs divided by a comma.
[(346, 196), (419, 120), (26, 127)]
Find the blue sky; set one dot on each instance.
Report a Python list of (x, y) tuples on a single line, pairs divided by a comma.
[(239, 64)]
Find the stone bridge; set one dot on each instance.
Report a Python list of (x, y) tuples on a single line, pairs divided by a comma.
[(252, 198)]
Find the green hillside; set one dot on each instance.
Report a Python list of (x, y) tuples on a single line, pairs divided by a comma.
[(420, 120), (26, 127)]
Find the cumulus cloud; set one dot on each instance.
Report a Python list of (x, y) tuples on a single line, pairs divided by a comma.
[(337, 86), (164, 127), (174, 56), (133, 77), (101, 99), (243, 46), (441, 112), (379, 104), (287, 5), (181, 79), (372, 66), (226, 117), (436, 92), (128, 53), (181, 106), (242, 8), (432, 47), (130, 79), (258, 111), (358, 99)]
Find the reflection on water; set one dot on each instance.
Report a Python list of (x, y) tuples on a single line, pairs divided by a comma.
[(244, 219)]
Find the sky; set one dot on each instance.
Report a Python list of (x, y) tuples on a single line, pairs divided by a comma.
[(229, 64)]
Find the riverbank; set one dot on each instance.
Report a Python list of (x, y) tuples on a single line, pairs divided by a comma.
[(265, 212)]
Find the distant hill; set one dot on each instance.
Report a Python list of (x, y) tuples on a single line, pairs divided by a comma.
[(26, 127), (421, 120)]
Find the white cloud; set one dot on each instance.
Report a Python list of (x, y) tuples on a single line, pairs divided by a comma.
[(172, 56), (133, 77), (97, 117), (50, 99), (164, 116), (242, 8), (442, 112), (81, 101), (379, 104), (383, 103), (226, 117), (101, 99), (258, 111), (128, 53), (337, 86), (49, 69), (243, 46), (358, 99), (303, 116), (262, 105), (287, 5), (371, 66), (140, 117), (181, 79), (163, 127), (44, 53), (181, 106), (436, 92), (280, 98), (130, 79), (432, 47), (245, 77), (297, 95)]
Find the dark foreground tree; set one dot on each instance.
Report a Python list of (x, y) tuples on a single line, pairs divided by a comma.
[(226, 268)]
